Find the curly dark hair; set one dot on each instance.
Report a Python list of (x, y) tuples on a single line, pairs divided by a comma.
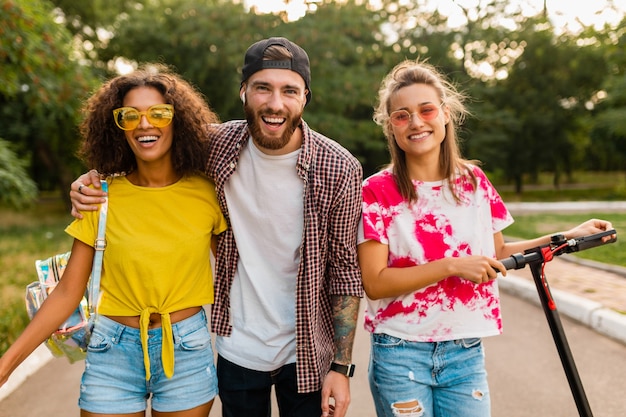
[(104, 145)]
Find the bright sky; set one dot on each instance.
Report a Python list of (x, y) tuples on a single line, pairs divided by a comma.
[(562, 11)]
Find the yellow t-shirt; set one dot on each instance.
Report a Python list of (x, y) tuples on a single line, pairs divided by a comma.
[(157, 256)]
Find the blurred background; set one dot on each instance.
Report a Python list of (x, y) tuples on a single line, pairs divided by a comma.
[(546, 77)]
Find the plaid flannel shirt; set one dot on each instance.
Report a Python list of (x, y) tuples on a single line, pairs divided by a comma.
[(332, 208)]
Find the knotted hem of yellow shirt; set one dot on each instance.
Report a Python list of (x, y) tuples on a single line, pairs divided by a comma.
[(167, 343)]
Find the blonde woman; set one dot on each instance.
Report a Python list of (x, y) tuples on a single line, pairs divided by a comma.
[(430, 237)]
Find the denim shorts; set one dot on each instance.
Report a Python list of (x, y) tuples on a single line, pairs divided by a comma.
[(419, 379), (114, 381)]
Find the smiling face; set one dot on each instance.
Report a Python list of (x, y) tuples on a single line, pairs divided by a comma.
[(419, 139), (151, 145), (274, 101)]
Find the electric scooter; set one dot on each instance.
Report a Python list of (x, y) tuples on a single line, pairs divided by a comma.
[(536, 259)]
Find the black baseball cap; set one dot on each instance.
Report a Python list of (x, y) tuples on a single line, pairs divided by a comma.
[(299, 62)]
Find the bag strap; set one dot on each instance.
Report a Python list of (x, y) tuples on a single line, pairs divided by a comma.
[(99, 245)]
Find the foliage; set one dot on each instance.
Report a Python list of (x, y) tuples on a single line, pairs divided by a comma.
[(541, 99), (41, 88), (541, 105), (16, 188), (203, 41), (347, 67), (608, 127)]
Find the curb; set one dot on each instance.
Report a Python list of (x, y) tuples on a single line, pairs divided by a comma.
[(36, 360), (590, 313)]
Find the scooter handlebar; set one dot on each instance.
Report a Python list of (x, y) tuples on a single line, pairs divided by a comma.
[(591, 241), (519, 260), (515, 261)]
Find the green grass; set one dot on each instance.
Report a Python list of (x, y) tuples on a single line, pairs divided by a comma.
[(27, 235), (584, 186)]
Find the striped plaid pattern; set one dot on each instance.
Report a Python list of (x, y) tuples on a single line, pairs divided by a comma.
[(328, 266)]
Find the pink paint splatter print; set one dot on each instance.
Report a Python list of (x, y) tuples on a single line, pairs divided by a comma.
[(431, 235), (434, 228)]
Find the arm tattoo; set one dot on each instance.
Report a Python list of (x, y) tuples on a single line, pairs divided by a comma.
[(345, 314)]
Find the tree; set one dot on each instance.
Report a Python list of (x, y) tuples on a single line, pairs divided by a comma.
[(41, 89), (348, 61), (203, 41), (548, 89), (530, 87), (608, 126), (532, 113), (16, 187), (342, 40)]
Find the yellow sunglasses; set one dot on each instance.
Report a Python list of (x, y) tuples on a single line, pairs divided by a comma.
[(128, 118)]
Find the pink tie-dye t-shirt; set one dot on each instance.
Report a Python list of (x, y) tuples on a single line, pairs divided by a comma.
[(435, 227)]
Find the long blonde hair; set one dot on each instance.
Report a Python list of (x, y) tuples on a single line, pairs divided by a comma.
[(451, 163)]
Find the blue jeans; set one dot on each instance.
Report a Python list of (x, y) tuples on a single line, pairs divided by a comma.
[(114, 381), (246, 392), (441, 379)]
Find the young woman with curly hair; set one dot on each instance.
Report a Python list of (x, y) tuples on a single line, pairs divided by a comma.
[(146, 131)]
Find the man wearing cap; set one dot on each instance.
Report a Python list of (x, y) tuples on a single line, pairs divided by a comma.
[(288, 284)]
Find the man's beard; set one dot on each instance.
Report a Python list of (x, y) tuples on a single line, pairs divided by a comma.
[(264, 141)]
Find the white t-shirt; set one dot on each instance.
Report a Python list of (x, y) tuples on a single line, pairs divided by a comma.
[(433, 228), (265, 202)]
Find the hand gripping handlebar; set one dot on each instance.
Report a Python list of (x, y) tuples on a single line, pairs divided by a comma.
[(558, 246)]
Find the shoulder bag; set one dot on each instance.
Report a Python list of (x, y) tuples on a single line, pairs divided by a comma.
[(72, 337)]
